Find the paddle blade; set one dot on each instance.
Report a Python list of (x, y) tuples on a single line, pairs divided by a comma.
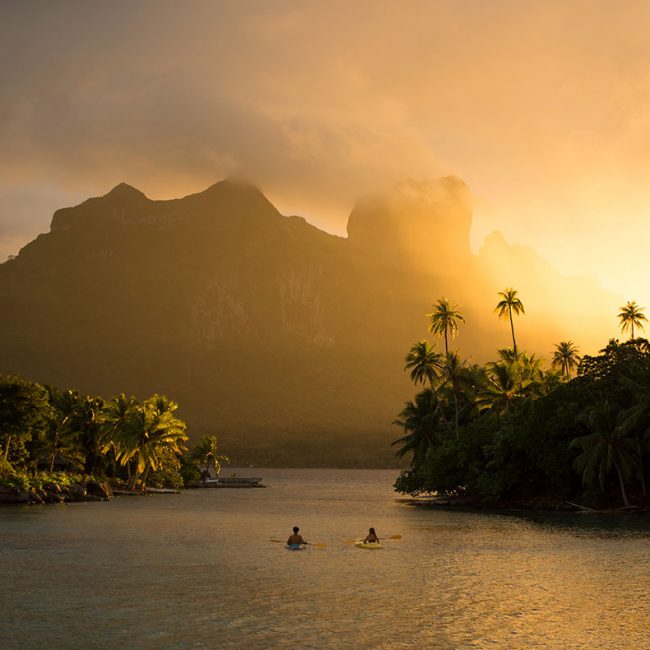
[(395, 537)]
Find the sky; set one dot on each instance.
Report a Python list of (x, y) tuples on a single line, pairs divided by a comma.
[(542, 108)]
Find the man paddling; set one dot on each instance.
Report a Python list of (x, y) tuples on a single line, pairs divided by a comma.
[(296, 539)]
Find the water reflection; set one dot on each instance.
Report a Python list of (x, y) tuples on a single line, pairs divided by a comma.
[(591, 524), (198, 570)]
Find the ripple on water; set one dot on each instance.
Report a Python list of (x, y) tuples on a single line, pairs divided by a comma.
[(198, 570)]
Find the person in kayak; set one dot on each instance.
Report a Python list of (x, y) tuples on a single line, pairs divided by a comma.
[(371, 537), (296, 538)]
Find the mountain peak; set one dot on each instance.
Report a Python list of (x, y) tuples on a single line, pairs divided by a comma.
[(233, 183), (405, 225), (232, 197), (118, 204), (124, 190), (232, 187)]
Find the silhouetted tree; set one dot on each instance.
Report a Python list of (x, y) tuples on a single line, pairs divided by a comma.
[(566, 358), (423, 423), (508, 305), (445, 318), (424, 363), (607, 448), (631, 315)]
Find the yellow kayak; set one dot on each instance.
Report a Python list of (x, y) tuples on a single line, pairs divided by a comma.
[(369, 545)]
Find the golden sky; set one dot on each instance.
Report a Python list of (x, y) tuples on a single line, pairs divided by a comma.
[(543, 108)]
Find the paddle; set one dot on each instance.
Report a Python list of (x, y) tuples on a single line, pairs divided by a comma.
[(314, 544)]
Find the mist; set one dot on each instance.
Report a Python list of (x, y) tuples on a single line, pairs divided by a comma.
[(540, 107)]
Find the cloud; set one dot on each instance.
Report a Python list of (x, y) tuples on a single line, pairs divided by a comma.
[(172, 104), (542, 107)]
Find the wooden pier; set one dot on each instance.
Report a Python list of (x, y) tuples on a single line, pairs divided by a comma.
[(233, 482)]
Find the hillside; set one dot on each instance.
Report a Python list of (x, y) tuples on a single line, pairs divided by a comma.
[(284, 340)]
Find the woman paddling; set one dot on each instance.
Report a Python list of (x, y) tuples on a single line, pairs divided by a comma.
[(371, 537)]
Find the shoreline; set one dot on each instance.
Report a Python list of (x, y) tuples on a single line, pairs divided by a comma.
[(468, 504), (91, 491)]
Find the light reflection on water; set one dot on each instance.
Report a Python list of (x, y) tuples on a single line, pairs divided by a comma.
[(198, 570)]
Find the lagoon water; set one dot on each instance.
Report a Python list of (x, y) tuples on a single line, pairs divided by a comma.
[(198, 570)]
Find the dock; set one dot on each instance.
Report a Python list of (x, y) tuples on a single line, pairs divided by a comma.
[(233, 482)]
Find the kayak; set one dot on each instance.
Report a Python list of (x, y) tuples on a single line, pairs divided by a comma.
[(294, 547), (369, 545)]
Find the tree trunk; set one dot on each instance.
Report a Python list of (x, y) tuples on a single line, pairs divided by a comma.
[(446, 345), (512, 329), (54, 446), (641, 474), (134, 479), (144, 478), (626, 503), (442, 415), (7, 444)]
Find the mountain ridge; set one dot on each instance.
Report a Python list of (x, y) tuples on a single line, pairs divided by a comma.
[(284, 339)]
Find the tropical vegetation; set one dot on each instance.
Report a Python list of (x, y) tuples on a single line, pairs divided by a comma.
[(67, 440), (206, 454), (445, 318), (566, 358), (513, 432), (508, 305), (631, 315)]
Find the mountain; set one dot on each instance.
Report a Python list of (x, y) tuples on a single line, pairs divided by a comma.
[(284, 340)]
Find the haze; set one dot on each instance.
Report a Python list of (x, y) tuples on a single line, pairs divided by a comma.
[(541, 107)]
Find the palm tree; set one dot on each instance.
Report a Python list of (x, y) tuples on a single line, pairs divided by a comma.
[(115, 416), (206, 453), (531, 375), (61, 438), (631, 315), (508, 304), (423, 362), (566, 358), (507, 355), (444, 320), (607, 448), (85, 420), (88, 419), (636, 421), (422, 421), (150, 432), (116, 413), (503, 389), (452, 373)]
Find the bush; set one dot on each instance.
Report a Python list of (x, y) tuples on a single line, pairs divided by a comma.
[(6, 467)]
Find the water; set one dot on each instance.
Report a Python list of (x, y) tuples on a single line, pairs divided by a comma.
[(198, 570)]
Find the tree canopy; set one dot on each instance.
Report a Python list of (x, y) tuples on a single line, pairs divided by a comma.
[(512, 431)]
